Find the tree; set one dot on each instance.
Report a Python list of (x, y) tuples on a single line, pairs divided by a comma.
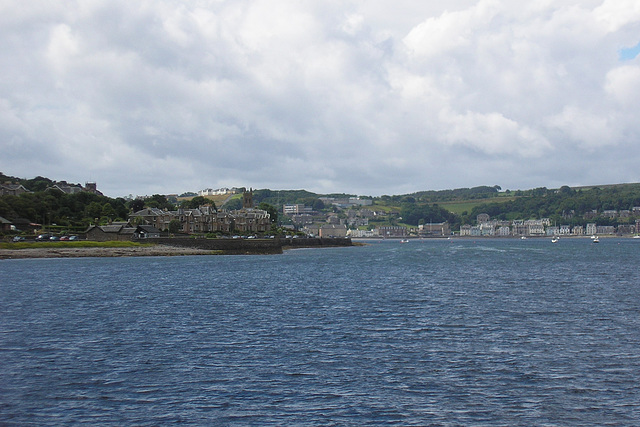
[(174, 226), (108, 211), (318, 205), (158, 201), (271, 210), (196, 202), (233, 204), (136, 205), (94, 210)]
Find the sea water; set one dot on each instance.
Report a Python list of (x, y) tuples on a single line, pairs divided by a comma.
[(430, 332)]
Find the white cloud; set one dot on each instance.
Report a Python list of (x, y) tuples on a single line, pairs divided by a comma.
[(623, 84), (615, 14), (588, 130), (492, 134)]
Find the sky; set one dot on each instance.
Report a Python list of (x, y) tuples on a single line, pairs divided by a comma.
[(352, 96)]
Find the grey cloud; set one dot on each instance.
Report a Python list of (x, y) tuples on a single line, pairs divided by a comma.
[(358, 97)]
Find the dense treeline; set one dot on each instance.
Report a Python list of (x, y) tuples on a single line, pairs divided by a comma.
[(55, 207), (48, 207), (78, 210), (416, 214)]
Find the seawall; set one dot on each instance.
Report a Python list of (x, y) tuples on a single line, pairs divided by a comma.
[(248, 246)]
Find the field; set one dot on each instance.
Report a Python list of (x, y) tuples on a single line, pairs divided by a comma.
[(458, 207)]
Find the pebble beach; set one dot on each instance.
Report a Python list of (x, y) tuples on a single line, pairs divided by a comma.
[(156, 250)]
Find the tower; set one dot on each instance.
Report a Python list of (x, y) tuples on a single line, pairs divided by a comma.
[(247, 199)]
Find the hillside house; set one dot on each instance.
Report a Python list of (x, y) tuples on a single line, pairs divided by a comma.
[(9, 189), (206, 219), (5, 224), (120, 231)]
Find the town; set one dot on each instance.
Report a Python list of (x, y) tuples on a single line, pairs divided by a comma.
[(240, 212)]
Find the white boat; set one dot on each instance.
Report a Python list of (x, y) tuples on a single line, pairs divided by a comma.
[(555, 239), (523, 238), (636, 237), (404, 241), (596, 240)]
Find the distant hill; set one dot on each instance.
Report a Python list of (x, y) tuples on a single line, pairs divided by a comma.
[(568, 205)]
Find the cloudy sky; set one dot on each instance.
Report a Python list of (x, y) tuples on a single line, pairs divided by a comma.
[(366, 97)]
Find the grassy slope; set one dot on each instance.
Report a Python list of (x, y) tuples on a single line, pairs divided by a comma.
[(458, 207)]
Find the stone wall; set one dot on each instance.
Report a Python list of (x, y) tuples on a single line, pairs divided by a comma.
[(230, 246), (248, 246)]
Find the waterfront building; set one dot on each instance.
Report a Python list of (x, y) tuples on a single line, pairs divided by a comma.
[(392, 231), (434, 229), (605, 229)]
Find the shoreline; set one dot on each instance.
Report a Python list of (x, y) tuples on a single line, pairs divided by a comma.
[(174, 247), (411, 238), (156, 250)]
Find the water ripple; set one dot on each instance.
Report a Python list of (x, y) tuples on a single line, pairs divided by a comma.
[(498, 332)]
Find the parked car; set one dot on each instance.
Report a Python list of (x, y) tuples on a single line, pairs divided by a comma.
[(54, 238), (43, 237), (18, 239), (72, 238), (65, 238)]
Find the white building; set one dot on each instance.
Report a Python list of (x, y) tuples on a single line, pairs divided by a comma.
[(296, 209), (218, 192)]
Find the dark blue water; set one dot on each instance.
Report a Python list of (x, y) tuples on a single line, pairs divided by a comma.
[(487, 332)]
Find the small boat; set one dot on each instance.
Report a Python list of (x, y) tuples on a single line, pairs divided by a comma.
[(636, 237), (523, 238), (404, 241), (555, 239), (596, 240)]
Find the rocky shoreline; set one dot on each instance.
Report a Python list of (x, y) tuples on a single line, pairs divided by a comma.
[(177, 247), (156, 250)]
